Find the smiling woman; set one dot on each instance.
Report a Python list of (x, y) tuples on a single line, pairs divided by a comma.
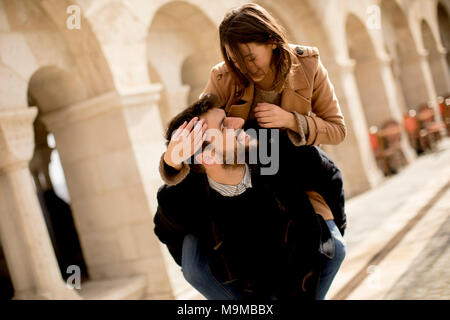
[(255, 62)]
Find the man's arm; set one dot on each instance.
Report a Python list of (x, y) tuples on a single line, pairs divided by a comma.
[(169, 229), (330, 185), (170, 234), (170, 175), (311, 169)]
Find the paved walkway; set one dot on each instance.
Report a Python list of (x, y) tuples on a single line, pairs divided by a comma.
[(428, 277), (368, 211), (389, 229)]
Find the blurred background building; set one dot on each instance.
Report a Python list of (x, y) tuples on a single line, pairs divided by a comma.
[(87, 87)]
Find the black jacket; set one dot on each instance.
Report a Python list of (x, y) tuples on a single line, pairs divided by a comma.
[(235, 231)]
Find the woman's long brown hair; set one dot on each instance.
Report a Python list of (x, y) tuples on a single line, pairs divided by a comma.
[(252, 23)]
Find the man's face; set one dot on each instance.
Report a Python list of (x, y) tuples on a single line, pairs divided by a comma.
[(225, 137)]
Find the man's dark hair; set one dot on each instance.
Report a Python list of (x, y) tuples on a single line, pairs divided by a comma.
[(201, 106)]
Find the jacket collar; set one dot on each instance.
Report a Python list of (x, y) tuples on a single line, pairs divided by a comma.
[(297, 78)]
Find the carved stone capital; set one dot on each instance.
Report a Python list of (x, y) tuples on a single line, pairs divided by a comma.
[(96, 106), (16, 137)]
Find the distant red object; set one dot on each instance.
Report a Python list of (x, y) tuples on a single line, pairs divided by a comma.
[(374, 143), (410, 124)]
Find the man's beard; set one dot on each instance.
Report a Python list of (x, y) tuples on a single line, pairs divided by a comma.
[(240, 157)]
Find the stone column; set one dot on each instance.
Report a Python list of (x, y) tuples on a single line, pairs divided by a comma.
[(109, 148), (396, 110), (445, 68), (431, 90), (354, 155), (28, 250)]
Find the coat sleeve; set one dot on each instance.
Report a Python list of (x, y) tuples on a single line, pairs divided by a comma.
[(327, 126), (321, 175), (170, 175), (168, 230), (328, 183)]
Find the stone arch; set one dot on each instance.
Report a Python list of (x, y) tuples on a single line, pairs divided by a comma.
[(120, 26), (374, 80), (50, 89), (84, 47), (182, 46), (302, 25), (193, 71), (438, 66), (36, 36), (443, 17), (406, 61), (367, 72)]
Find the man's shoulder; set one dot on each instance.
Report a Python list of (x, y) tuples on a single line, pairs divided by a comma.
[(190, 186), (300, 154)]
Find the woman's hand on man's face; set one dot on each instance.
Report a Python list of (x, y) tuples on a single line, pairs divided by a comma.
[(272, 116), (188, 137)]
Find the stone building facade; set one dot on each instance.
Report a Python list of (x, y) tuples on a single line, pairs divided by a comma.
[(105, 76)]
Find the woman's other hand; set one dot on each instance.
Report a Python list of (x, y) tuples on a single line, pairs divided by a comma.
[(272, 116)]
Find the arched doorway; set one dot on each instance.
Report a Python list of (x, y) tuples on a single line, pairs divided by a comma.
[(406, 62), (444, 29), (367, 72), (182, 48), (302, 25), (50, 88)]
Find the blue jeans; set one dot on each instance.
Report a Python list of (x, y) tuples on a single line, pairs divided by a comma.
[(197, 272), (331, 267)]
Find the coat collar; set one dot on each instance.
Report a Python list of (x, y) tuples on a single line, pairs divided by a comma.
[(297, 78)]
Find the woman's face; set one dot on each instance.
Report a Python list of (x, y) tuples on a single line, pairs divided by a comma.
[(257, 58)]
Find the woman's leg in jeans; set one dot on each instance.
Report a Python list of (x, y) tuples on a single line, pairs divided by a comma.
[(197, 272), (332, 266)]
